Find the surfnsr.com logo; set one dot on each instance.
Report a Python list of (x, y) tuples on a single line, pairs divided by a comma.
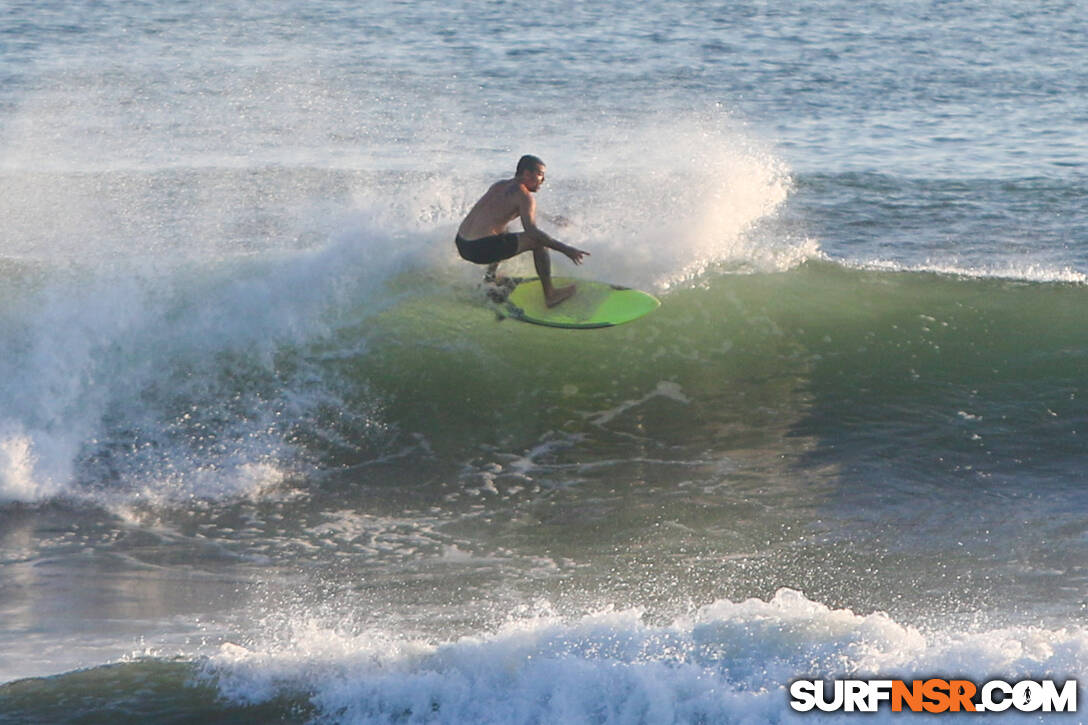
[(933, 695)]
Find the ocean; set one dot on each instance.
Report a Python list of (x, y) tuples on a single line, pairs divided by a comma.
[(267, 454)]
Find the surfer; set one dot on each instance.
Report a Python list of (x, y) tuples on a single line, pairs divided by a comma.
[(482, 237)]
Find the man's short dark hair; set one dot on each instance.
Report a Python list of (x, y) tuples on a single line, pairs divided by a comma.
[(528, 162)]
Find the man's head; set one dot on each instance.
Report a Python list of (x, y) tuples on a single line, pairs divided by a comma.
[(530, 172)]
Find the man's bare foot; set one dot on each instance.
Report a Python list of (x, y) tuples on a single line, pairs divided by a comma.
[(558, 295), (500, 280)]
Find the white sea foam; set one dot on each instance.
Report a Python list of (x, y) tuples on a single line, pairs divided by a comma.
[(145, 362), (17, 464), (728, 662)]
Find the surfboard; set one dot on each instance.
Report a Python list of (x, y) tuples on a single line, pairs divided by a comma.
[(594, 305)]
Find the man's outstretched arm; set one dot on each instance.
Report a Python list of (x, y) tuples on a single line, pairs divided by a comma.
[(527, 209)]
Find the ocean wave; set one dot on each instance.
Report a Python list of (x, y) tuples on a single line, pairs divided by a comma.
[(174, 329), (727, 662), (220, 385)]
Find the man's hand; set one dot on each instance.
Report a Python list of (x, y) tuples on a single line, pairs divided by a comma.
[(575, 254)]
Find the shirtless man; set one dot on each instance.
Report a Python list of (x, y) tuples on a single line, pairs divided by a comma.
[(482, 237)]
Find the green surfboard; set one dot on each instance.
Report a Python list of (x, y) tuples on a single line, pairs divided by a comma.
[(594, 305)]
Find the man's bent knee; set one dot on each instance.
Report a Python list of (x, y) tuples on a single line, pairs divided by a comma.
[(527, 243)]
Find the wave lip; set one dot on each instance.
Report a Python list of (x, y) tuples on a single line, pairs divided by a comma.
[(1031, 272)]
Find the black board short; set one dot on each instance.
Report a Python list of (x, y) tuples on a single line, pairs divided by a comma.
[(488, 250)]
